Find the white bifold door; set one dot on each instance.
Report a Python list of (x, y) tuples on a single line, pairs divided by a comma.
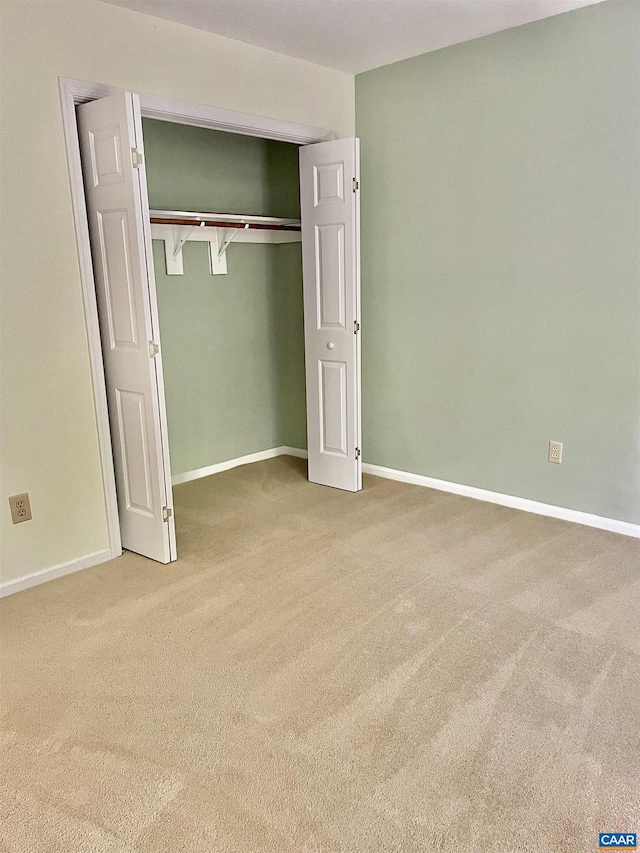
[(330, 207), (118, 210)]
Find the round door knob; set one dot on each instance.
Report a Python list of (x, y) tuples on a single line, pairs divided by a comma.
[(330, 345)]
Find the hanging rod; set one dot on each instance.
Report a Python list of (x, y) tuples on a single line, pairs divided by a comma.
[(223, 220), (157, 220)]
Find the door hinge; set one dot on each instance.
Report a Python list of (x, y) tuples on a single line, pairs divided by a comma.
[(356, 185), (357, 452), (136, 158), (154, 349), (166, 513), (356, 327)]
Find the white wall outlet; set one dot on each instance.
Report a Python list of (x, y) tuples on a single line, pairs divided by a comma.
[(555, 452), (20, 508)]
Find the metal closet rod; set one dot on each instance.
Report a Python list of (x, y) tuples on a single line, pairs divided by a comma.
[(264, 226)]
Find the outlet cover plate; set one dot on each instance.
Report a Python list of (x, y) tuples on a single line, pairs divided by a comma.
[(555, 452), (20, 508)]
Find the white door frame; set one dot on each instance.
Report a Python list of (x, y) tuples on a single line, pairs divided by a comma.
[(73, 92)]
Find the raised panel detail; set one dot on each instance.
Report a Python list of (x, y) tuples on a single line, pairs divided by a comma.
[(106, 156), (134, 445), (115, 254), (333, 407), (328, 183), (330, 276)]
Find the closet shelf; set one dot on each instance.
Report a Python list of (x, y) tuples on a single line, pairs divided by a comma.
[(176, 227)]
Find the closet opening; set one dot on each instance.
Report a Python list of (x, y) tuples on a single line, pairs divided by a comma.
[(222, 329)]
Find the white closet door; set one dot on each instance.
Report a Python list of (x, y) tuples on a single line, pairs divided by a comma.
[(117, 205), (330, 208)]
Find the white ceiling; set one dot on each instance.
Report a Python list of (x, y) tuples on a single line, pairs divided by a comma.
[(352, 35)]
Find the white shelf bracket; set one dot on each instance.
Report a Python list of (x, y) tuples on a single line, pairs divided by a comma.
[(217, 259), (173, 248), (218, 249), (178, 242)]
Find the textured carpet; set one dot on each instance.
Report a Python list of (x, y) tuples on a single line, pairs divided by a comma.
[(321, 672)]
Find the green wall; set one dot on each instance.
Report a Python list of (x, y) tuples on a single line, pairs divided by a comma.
[(191, 168), (233, 345), (500, 261)]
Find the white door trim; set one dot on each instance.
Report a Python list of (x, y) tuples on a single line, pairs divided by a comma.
[(73, 92)]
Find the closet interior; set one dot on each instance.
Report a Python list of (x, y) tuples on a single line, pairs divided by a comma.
[(225, 225)]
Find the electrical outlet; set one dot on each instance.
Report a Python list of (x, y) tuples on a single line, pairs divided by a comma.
[(20, 508), (555, 452)]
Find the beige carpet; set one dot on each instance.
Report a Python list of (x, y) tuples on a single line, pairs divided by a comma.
[(398, 670)]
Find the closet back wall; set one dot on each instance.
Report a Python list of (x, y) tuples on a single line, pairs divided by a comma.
[(233, 345)]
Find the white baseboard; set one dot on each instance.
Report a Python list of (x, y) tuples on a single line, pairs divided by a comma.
[(624, 527), (234, 463), (53, 572), (293, 451), (613, 525)]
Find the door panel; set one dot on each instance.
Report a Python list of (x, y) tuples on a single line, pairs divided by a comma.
[(329, 181), (113, 229), (118, 214), (333, 407), (107, 161), (330, 275), (134, 448)]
